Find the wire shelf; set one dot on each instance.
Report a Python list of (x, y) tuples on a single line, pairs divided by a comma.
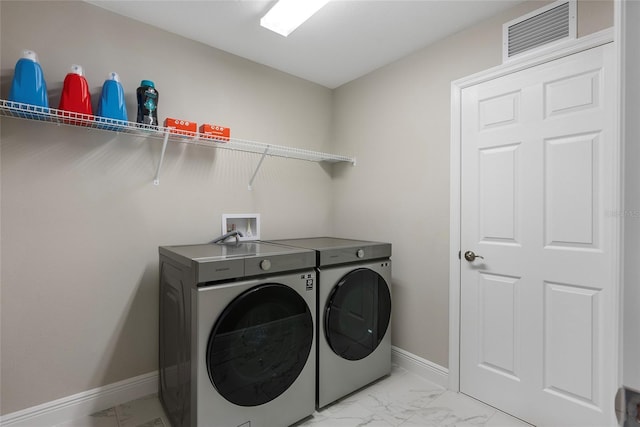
[(60, 117)]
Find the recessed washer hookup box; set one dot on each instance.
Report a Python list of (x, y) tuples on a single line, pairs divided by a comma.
[(247, 224)]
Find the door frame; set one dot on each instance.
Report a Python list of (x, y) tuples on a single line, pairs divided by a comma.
[(571, 47)]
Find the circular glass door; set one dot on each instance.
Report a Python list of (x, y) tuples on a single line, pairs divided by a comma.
[(357, 314), (260, 344)]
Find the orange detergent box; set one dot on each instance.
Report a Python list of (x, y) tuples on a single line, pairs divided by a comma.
[(217, 132), (181, 127)]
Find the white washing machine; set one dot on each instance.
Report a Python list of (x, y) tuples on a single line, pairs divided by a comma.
[(354, 313), (237, 334)]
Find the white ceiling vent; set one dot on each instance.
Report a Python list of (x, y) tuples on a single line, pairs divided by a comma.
[(539, 29)]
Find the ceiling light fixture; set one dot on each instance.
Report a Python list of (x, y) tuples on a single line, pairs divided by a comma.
[(287, 15)]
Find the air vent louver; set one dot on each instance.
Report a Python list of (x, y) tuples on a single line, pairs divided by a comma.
[(539, 28)]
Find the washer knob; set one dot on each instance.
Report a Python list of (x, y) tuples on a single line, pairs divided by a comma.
[(265, 264), (360, 253)]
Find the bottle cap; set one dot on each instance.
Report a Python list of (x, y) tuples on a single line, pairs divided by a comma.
[(76, 69), (29, 54), (113, 76), (147, 83)]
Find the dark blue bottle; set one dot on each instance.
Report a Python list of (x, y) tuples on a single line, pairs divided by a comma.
[(147, 95)]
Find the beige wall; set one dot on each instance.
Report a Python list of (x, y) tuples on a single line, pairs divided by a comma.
[(396, 121), (81, 219)]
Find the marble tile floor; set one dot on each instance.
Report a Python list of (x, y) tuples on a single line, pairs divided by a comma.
[(400, 400)]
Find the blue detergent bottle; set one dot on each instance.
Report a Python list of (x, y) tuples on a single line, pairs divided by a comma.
[(28, 85), (112, 107)]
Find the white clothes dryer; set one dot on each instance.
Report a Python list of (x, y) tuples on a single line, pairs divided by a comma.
[(237, 334), (354, 313)]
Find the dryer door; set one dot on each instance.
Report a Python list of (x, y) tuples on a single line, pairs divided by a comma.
[(260, 344), (357, 314)]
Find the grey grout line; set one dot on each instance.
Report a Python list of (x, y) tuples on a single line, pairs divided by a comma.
[(115, 410)]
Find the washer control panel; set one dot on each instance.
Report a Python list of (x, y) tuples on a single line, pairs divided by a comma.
[(279, 262)]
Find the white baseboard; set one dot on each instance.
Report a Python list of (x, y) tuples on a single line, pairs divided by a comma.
[(419, 366), (88, 402), (83, 404)]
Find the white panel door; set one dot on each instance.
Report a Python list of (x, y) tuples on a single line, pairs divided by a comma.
[(539, 184)]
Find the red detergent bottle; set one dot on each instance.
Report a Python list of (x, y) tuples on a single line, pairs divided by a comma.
[(76, 99)]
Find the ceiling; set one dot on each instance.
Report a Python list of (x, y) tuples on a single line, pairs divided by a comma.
[(343, 41)]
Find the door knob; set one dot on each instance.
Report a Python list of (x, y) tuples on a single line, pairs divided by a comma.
[(470, 256)]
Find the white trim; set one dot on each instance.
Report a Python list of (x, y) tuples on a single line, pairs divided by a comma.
[(83, 404), (579, 45), (625, 18), (454, 239), (619, 14), (88, 402), (619, 24), (428, 370), (584, 43)]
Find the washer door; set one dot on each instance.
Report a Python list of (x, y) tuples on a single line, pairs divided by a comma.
[(357, 314), (260, 344)]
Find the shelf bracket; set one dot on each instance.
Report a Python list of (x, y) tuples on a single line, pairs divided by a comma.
[(266, 150), (156, 180)]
